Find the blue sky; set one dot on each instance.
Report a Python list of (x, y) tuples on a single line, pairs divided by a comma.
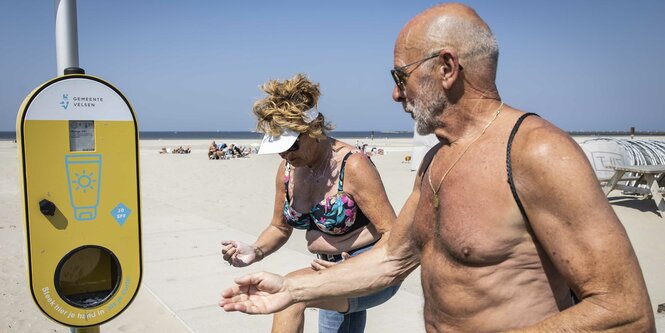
[(197, 65)]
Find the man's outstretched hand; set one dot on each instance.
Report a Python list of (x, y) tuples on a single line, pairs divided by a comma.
[(258, 293)]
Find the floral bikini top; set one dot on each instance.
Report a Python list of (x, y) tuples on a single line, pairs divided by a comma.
[(334, 215)]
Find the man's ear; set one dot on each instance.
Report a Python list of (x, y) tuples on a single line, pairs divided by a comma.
[(449, 70)]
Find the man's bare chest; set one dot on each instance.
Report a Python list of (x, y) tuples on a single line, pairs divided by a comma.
[(477, 221)]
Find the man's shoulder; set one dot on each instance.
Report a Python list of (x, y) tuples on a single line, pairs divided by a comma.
[(539, 141)]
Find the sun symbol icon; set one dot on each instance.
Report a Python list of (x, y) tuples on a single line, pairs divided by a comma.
[(84, 181)]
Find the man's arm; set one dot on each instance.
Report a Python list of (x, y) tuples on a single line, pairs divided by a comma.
[(371, 271), (580, 233)]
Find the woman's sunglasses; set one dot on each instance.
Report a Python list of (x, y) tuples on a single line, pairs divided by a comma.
[(296, 144)]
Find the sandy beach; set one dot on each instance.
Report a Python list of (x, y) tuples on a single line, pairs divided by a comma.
[(190, 204)]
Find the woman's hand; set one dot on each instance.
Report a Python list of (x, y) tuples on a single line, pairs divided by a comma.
[(239, 254), (319, 264)]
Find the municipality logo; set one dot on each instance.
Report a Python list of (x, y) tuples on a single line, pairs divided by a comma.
[(65, 101)]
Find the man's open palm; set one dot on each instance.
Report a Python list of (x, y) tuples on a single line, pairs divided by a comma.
[(259, 293)]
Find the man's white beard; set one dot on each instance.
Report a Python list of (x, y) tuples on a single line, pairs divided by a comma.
[(426, 107)]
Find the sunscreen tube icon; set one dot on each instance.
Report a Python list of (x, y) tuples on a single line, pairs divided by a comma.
[(84, 180)]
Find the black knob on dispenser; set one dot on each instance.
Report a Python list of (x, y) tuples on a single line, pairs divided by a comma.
[(47, 207)]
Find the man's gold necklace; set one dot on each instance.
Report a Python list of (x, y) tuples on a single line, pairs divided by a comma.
[(435, 197)]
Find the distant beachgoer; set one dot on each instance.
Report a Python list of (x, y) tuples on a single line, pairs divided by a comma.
[(246, 151), (235, 150), (324, 186), (182, 150), (212, 151)]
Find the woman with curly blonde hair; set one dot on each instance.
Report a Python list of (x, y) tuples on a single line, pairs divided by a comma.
[(323, 186)]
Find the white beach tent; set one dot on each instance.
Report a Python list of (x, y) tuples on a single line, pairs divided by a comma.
[(421, 145), (603, 154)]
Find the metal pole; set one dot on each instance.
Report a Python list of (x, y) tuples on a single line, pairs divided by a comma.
[(66, 35), (92, 329), (67, 56)]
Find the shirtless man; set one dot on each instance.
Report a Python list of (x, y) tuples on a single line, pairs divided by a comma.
[(501, 236), (212, 151)]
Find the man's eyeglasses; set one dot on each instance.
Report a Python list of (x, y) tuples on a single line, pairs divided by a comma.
[(400, 75), (296, 145)]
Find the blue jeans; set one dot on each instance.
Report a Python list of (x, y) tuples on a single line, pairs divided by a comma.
[(353, 321)]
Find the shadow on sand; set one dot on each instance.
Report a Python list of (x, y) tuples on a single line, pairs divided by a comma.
[(641, 203)]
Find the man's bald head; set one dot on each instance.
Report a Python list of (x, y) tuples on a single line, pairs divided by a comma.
[(456, 27)]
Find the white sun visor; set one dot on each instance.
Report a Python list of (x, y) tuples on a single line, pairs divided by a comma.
[(277, 144)]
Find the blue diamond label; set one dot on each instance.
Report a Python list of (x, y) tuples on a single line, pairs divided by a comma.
[(120, 213)]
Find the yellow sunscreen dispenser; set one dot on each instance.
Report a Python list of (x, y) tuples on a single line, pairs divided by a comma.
[(78, 148)]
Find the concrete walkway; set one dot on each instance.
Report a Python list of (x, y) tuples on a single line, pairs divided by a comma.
[(184, 268)]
